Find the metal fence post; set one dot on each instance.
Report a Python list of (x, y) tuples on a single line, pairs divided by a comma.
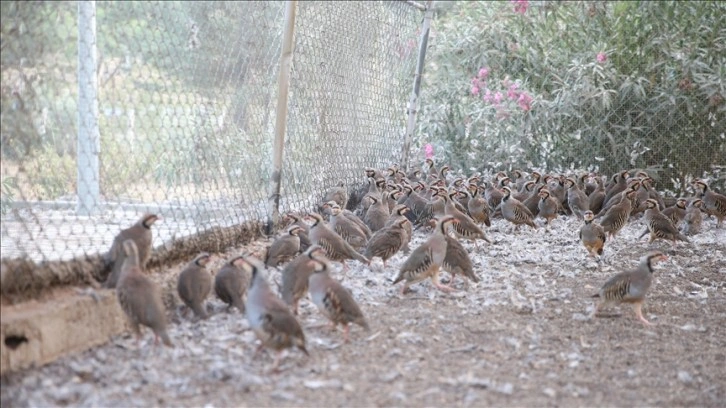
[(88, 134), (413, 101), (283, 87)]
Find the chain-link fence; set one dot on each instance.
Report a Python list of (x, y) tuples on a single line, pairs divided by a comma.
[(586, 85), (171, 108)]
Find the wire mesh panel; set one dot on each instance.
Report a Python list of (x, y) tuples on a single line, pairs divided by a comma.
[(185, 100), (352, 71), (114, 109), (598, 85)]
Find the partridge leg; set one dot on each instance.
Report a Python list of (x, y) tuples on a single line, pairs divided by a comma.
[(276, 365), (639, 313), (345, 333), (441, 287)]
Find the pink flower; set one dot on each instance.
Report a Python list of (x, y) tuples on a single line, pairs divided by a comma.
[(498, 98), (483, 73), (520, 6), (474, 90), (513, 92), (524, 101), (429, 150), (602, 57), (487, 96)]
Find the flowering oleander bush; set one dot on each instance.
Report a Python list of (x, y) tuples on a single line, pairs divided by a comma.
[(600, 85)]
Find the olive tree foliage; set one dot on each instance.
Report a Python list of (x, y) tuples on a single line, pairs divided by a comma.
[(587, 85)]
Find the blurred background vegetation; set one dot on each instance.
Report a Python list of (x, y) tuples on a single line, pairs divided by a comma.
[(599, 85)]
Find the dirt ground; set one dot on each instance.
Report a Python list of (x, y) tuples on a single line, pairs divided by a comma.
[(520, 337)]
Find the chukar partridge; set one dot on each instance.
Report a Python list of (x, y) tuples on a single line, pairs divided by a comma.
[(514, 211), (630, 286), (592, 235), (344, 226), (194, 285), (426, 260), (231, 283), (284, 248), (478, 207), (465, 227), (547, 206), (339, 194), (621, 183), (659, 225), (334, 245), (378, 212), (577, 200), (532, 202), (400, 212), (713, 203), (333, 300), (304, 233), (295, 276), (140, 297), (677, 212), (598, 196), (457, 260), (141, 234), (273, 323), (387, 241), (616, 217), (691, 224)]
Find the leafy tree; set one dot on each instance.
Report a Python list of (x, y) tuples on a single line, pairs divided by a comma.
[(557, 85)]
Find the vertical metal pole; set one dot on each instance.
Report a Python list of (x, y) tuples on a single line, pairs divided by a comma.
[(88, 133), (413, 101), (283, 87)]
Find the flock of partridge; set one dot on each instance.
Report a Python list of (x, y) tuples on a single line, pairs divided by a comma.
[(385, 214)]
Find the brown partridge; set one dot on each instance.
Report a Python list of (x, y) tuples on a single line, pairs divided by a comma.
[(660, 226), (194, 285), (592, 235), (713, 203), (333, 300), (140, 297), (141, 234), (387, 241), (231, 282), (295, 276), (514, 211), (284, 248), (334, 245), (426, 260), (691, 224), (630, 286), (272, 322)]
